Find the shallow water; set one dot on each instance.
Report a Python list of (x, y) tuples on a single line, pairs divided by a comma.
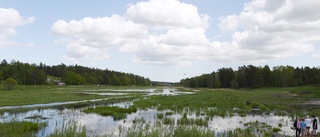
[(106, 125), (103, 92), (51, 104), (103, 125), (149, 92)]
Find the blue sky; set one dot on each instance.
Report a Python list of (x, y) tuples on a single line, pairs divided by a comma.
[(164, 40)]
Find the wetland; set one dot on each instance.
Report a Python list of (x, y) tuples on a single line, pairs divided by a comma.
[(154, 111)]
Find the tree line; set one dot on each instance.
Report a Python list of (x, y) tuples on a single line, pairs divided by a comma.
[(254, 77), (30, 74)]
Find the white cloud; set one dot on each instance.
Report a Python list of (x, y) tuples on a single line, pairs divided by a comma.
[(184, 37), (273, 29), (181, 38), (10, 19), (115, 26), (176, 47), (167, 13), (173, 32), (78, 52), (92, 35)]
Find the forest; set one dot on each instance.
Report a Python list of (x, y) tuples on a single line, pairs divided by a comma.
[(245, 77), (33, 74), (255, 77)]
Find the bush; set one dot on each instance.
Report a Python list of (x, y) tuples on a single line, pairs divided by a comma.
[(9, 83)]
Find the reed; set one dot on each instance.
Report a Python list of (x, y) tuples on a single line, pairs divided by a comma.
[(116, 112), (20, 129), (70, 129)]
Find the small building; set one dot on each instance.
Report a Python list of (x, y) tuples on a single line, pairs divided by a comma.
[(61, 84)]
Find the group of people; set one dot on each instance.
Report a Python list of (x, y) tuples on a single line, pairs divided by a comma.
[(304, 125)]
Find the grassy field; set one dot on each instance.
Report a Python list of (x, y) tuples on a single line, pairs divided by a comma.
[(228, 101), (20, 129), (31, 94), (290, 99)]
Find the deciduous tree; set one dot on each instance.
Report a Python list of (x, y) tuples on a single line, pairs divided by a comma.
[(9, 83)]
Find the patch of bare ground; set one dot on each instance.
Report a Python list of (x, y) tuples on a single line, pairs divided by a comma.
[(310, 104)]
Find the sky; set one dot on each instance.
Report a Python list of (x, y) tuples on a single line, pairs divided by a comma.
[(163, 40)]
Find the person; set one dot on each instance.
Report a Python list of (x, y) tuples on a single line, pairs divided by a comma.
[(308, 123), (303, 127), (314, 125), (297, 127)]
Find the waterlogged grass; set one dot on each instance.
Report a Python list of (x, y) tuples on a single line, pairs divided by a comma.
[(162, 129), (41, 94), (239, 133), (168, 121), (311, 91), (75, 105), (192, 121), (204, 104), (24, 95), (116, 112), (262, 128), (20, 129), (160, 115), (158, 130), (70, 129), (227, 102)]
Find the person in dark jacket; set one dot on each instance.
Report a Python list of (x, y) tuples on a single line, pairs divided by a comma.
[(314, 125)]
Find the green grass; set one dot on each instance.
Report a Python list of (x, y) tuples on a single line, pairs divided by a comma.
[(159, 130), (23, 95), (168, 121), (227, 101), (145, 129), (20, 129), (160, 115), (224, 100), (41, 94), (70, 129), (116, 112), (192, 121)]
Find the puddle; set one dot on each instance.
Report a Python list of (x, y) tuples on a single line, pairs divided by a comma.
[(123, 90), (169, 92), (150, 92), (104, 94), (51, 104)]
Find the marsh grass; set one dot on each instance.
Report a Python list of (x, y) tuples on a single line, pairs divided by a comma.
[(25, 95), (160, 115), (238, 133), (70, 129), (169, 113), (224, 101), (159, 130), (262, 128), (41, 94), (74, 105), (192, 121), (168, 121), (169, 130), (116, 112), (201, 103), (140, 120), (20, 129)]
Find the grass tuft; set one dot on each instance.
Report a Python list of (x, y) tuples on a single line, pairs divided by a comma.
[(20, 129)]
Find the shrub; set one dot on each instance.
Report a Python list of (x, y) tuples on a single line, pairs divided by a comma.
[(9, 83)]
